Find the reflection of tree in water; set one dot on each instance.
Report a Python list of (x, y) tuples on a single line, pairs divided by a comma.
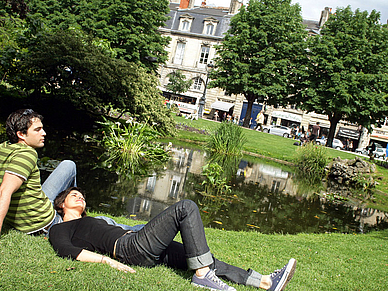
[(255, 207), (229, 163)]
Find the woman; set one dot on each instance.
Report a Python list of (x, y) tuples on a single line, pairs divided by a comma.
[(88, 239)]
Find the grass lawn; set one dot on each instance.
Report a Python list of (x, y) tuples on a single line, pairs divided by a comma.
[(325, 262)]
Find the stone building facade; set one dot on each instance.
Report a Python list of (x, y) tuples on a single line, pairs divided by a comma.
[(194, 32)]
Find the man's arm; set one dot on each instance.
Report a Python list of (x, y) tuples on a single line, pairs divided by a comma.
[(11, 183)]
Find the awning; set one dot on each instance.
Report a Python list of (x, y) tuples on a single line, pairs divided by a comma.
[(287, 116), (223, 106), (348, 133)]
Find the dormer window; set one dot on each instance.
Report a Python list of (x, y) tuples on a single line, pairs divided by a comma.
[(185, 22), (209, 29), (185, 25), (209, 26)]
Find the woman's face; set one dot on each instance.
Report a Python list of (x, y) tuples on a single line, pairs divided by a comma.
[(74, 200)]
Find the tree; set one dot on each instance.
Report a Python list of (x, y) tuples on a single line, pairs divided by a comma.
[(130, 26), (178, 83), (261, 54), (348, 70), (69, 66)]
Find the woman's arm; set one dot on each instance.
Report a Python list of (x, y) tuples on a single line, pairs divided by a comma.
[(88, 256)]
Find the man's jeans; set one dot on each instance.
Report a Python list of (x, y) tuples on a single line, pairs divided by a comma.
[(63, 177), (154, 244)]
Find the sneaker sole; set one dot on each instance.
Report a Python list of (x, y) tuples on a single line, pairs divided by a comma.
[(288, 273), (207, 287)]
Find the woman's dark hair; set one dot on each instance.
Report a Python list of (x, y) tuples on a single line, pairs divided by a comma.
[(20, 120), (60, 199)]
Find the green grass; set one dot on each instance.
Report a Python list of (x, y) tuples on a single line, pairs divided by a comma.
[(325, 262)]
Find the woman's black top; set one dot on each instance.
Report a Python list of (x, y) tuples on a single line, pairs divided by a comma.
[(70, 238)]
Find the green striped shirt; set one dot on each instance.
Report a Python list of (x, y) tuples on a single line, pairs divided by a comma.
[(30, 210)]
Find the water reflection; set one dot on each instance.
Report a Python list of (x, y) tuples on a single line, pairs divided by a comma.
[(264, 198)]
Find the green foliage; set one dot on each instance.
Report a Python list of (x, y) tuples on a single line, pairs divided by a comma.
[(71, 66), (215, 183), (227, 139), (178, 83), (131, 148), (348, 70), (262, 53), (130, 26), (311, 160)]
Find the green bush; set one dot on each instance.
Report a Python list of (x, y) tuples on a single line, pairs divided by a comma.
[(311, 160), (227, 139), (131, 148)]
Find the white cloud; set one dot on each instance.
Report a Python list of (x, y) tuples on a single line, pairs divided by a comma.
[(312, 9)]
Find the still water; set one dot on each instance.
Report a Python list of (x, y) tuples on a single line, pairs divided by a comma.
[(264, 197)]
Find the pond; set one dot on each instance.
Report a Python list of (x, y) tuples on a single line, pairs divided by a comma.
[(264, 197)]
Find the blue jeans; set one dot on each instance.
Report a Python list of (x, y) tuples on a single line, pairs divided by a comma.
[(63, 177), (154, 244)]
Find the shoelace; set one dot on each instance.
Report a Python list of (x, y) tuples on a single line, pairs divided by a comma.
[(212, 276), (276, 272)]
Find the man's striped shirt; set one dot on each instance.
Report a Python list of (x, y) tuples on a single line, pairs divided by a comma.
[(30, 210)]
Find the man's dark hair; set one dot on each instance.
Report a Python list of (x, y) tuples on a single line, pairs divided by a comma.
[(60, 199), (20, 120)]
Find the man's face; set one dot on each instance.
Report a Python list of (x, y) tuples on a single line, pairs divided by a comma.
[(35, 134)]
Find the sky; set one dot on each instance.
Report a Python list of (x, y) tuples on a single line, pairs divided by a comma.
[(311, 9)]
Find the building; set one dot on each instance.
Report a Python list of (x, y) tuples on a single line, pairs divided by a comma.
[(194, 32)]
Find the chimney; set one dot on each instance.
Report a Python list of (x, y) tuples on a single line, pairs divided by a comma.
[(235, 6), (186, 4), (324, 16)]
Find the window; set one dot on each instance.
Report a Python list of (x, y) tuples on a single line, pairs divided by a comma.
[(204, 55), (197, 83), (209, 29), (185, 25), (180, 50), (209, 25), (185, 21)]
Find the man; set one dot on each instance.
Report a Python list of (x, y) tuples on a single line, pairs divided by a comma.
[(260, 120), (315, 132), (24, 203)]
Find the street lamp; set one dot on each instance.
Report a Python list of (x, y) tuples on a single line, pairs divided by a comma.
[(203, 98)]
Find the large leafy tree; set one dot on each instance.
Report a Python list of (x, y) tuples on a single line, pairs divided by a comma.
[(69, 66), (262, 52), (178, 83), (348, 70), (130, 26)]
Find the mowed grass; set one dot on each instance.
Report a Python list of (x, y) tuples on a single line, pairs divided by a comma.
[(325, 262), (260, 143)]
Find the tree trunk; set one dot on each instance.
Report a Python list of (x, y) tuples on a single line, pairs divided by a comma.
[(247, 117), (334, 118)]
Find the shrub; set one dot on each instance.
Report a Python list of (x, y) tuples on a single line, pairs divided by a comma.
[(311, 160), (228, 139), (131, 148)]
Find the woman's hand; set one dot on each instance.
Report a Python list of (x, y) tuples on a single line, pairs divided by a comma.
[(88, 256), (117, 265)]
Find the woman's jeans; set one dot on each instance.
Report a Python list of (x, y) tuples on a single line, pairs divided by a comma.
[(154, 244)]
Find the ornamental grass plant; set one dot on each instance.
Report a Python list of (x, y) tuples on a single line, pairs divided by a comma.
[(226, 139), (311, 160), (131, 148)]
